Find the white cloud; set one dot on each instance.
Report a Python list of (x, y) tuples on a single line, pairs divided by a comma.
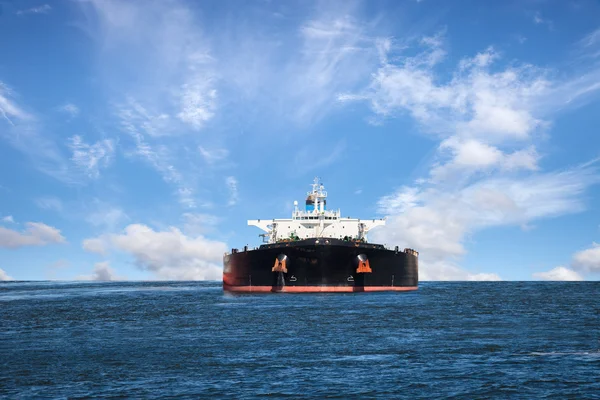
[(558, 274), (43, 9), (102, 273), (95, 245), (198, 103), (521, 39), (436, 221), (71, 109), (141, 122), (522, 159), (214, 155), (8, 219), (472, 156), (402, 200), (170, 255), (486, 170), (472, 153), (488, 277), (447, 271), (4, 276), (539, 20), (232, 184), (476, 104), (591, 39), (105, 215), (186, 197), (36, 234), (587, 260), (90, 158)]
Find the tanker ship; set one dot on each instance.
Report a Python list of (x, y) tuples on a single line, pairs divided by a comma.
[(319, 251)]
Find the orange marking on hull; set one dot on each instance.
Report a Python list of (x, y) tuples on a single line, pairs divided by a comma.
[(279, 266), (316, 289), (363, 267)]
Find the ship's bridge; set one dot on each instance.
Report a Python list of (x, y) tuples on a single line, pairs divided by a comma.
[(315, 221)]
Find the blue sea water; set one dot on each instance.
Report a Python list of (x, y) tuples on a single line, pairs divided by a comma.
[(189, 339)]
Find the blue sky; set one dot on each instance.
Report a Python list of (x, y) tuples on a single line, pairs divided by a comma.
[(136, 138)]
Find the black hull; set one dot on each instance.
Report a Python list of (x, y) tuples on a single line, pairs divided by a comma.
[(320, 265)]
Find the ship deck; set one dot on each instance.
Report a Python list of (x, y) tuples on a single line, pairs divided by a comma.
[(322, 241)]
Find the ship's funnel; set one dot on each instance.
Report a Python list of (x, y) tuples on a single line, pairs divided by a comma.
[(310, 203)]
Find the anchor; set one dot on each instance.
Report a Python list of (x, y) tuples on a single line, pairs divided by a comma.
[(280, 264), (363, 265)]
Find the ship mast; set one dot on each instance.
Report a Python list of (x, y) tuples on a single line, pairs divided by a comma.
[(318, 196)]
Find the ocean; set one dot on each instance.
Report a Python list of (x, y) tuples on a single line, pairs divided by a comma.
[(461, 340)]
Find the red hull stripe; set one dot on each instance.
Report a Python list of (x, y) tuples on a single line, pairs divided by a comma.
[(317, 289)]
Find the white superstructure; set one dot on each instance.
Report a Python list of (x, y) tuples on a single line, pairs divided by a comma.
[(315, 221)]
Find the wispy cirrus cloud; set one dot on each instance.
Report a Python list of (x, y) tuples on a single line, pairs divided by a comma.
[(232, 185), (588, 48), (27, 134), (90, 158), (144, 128), (336, 54), (591, 39), (49, 203), (294, 77), (164, 47), (213, 156), (70, 109), (170, 81), (538, 19), (174, 94), (43, 9), (9, 109)]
